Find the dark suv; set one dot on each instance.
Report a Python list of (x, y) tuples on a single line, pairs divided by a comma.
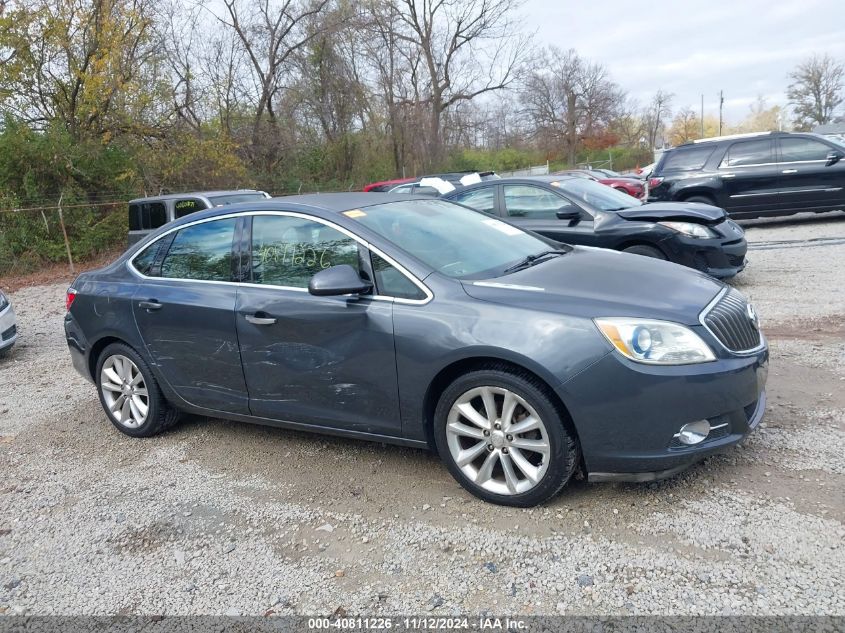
[(750, 175)]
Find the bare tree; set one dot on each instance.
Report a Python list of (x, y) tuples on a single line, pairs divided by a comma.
[(461, 48), (269, 33), (568, 99), (816, 91), (655, 116)]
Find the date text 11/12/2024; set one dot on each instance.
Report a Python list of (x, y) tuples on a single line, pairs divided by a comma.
[(418, 623)]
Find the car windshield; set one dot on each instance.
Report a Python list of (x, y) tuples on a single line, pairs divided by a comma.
[(451, 239), (235, 198), (597, 195)]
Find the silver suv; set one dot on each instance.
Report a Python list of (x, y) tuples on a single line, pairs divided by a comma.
[(148, 214)]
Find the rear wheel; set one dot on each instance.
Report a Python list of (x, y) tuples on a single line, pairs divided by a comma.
[(645, 249), (130, 395), (503, 438)]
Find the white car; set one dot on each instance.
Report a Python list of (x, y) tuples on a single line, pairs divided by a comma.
[(8, 326)]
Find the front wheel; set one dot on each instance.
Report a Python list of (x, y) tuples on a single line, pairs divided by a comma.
[(130, 394), (646, 250), (503, 438)]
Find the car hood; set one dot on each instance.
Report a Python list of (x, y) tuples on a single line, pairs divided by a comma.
[(596, 282), (682, 211)]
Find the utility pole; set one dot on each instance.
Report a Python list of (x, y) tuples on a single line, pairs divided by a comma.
[(702, 115), (721, 107)]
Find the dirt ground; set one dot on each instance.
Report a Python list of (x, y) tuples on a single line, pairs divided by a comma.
[(225, 518)]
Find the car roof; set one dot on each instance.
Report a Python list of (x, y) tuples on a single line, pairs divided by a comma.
[(518, 180), (189, 194)]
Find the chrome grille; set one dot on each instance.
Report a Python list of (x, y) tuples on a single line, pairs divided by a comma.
[(728, 321)]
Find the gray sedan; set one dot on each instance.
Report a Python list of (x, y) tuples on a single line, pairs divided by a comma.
[(423, 323), (8, 325)]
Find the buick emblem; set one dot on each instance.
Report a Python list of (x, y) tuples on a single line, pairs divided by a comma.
[(752, 315)]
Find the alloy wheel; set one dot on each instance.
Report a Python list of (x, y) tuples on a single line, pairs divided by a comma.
[(124, 391), (497, 440)]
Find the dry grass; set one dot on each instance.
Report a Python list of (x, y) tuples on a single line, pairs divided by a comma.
[(56, 273)]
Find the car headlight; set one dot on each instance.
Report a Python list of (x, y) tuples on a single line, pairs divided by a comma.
[(4, 302), (655, 342), (690, 228)]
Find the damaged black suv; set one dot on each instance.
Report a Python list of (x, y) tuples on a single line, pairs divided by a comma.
[(583, 212)]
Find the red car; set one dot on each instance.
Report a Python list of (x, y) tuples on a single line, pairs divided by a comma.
[(387, 185), (632, 186)]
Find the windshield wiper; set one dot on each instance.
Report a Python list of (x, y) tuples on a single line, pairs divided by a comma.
[(530, 260)]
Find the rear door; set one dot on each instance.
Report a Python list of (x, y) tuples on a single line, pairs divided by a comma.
[(806, 180), (185, 312), (326, 361), (536, 208), (750, 176)]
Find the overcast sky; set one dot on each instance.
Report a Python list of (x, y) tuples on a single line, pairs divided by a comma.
[(744, 47)]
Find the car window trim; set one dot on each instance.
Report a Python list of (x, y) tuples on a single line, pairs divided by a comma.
[(429, 295)]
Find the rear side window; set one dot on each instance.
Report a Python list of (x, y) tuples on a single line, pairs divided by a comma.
[(392, 283), (796, 150), (134, 217), (147, 216), (483, 199), (749, 153), (686, 159), (143, 262), (184, 207), (288, 251), (202, 251)]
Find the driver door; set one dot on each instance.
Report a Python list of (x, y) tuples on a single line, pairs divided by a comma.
[(535, 209), (326, 361)]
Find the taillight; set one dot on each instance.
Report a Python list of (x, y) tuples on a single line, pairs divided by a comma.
[(654, 182), (71, 295)]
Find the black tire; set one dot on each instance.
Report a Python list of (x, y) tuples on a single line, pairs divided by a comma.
[(701, 199), (160, 415), (646, 250), (564, 452)]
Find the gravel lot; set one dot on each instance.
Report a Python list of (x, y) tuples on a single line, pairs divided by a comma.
[(223, 518)]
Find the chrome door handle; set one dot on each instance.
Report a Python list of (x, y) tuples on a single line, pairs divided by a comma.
[(728, 175), (789, 171), (259, 320), (152, 304)]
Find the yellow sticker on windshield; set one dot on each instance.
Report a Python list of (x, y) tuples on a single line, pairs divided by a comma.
[(354, 213)]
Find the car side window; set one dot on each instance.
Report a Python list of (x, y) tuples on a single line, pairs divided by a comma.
[(796, 150), (288, 250), (189, 205), (686, 159), (202, 251), (143, 262), (749, 153), (482, 199), (534, 203), (391, 282)]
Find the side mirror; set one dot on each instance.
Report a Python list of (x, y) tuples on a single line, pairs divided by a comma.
[(834, 157), (338, 280), (568, 213)]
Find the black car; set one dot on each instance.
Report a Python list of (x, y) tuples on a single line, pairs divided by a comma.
[(581, 211), (421, 322), (752, 175)]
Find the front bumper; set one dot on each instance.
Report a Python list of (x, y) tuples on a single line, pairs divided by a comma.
[(716, 257), (626, 414), (8, 328)]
